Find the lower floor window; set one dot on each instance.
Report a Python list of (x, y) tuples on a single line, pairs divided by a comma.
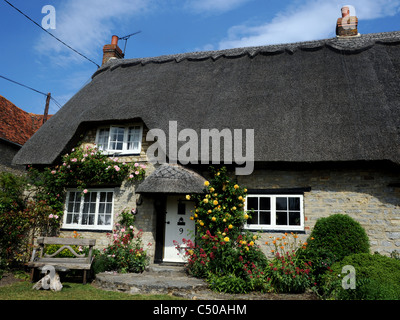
[(91, 210), (275, 212)]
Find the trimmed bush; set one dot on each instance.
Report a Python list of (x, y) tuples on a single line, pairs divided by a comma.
[(377, 278), (340, 235)]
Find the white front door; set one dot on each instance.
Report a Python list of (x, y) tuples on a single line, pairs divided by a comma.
[(177, 226)]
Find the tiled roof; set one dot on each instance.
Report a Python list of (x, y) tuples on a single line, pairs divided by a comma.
[(17, 125)]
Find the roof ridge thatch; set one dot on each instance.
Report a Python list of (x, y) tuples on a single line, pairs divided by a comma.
[(345, 45)]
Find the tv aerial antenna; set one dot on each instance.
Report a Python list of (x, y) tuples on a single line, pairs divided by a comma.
[(127, 37)]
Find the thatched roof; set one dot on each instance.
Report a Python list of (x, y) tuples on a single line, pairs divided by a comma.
[(326, 100), (172, 178)]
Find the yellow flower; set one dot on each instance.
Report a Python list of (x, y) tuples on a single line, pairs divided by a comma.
[(245, 190), (240, 198), (212, 189), (215, 202), (187, 197), (226, 239), (190, 252), (255, 237), (223, 220), (246, 216), (201, 223), (233, 208), (205, 200), (230, 226), (195, 215), (213, 218), (191, 218), (236, 186), (251, 243), (206, 183), (209, 211), (247, 248)]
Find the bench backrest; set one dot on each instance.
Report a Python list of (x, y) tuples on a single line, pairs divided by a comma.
[(66, 241)]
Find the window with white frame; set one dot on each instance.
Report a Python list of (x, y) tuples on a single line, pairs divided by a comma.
[(91, 210), (275, 212), (120, 139)]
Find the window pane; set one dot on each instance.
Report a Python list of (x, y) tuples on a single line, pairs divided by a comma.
[(281, 203), (108, 220), (84, 219), (252, 203), (117, 138), (294, 203), (265, 203), (102, 141), (294, 218), (91, 219), (109, 196), (103, 196), (101, 207), (69, 218), (281, 218), (254, 218), (265, 217), (108, 208), (134, 138)]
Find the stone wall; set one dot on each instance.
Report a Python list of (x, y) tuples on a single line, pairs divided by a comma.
[(364, 194)]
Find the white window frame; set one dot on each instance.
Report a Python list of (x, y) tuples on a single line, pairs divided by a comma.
[(125, 142), (273, 225), (95, 226)]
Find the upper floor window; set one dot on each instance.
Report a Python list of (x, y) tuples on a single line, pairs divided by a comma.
[(275, 212), (120, 139)]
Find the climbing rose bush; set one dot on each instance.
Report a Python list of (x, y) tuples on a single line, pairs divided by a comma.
[(223, 252)]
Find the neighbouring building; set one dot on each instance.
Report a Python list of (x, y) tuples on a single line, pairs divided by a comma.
[(16, 127), (325, 116)]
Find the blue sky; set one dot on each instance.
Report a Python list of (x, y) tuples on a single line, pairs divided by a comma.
[(32, 57)]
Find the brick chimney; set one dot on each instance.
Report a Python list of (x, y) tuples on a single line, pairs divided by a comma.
[(112, 51), (346, 26)]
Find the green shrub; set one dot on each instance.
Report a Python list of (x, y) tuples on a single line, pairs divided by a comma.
[(377, 278), (340, 235)]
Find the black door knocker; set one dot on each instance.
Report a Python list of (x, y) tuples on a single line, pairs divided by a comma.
[(181, 222)]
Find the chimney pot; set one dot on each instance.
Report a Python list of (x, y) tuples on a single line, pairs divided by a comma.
[(345, 12), (346, 26), (112, 51), (114, 40)]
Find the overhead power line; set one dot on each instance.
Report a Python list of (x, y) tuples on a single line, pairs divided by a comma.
[(30, 88), (26, 16)]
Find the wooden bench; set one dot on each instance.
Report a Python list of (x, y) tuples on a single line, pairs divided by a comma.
[(79, 262)]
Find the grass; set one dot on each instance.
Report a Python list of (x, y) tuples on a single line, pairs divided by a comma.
[(71, 291)]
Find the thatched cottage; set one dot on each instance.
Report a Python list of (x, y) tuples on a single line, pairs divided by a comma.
[(323, 117)]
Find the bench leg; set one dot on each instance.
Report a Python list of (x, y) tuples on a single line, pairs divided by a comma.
[(32, 274), (84, 276)]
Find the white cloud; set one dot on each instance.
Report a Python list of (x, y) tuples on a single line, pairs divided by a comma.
[(213, 6), (86, 26), (314, 19)]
